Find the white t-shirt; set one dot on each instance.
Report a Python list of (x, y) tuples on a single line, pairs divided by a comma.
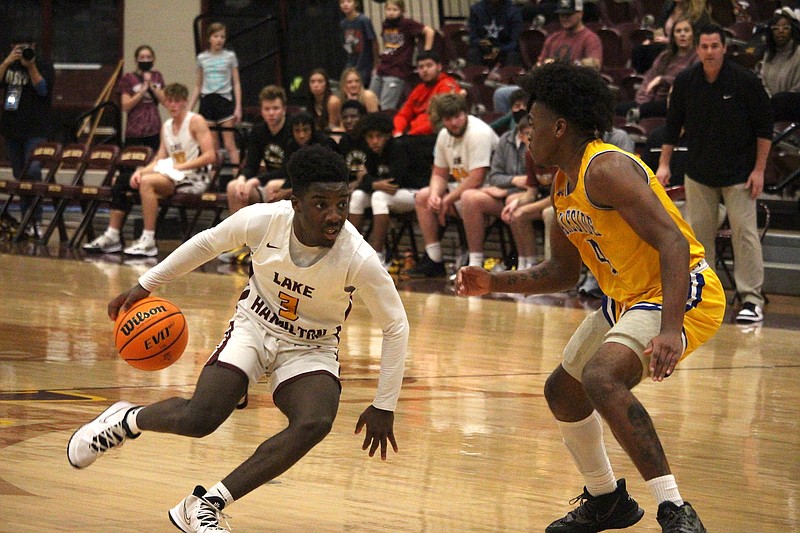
[(304, 305), (217, 70), (462, 154)]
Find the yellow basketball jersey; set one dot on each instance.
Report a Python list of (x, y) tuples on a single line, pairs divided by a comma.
[(626, 267)]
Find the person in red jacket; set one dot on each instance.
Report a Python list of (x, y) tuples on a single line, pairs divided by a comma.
[(412, 118)]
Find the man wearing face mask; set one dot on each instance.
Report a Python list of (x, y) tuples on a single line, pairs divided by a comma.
[(26, 82)]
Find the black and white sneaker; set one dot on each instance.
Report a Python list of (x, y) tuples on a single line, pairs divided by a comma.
[(198, 514), (683, 519), (749, 314), (616, 510), (109, 430)]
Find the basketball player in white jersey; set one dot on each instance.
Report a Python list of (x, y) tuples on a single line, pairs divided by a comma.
[(181, 164), (307, 262)]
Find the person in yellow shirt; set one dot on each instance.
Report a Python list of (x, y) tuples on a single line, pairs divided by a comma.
[(662, 299)]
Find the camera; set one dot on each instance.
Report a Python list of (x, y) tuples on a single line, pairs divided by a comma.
[(28, 53)]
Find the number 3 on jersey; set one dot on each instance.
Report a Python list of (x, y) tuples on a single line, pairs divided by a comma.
[(288, 306), (601, 256)]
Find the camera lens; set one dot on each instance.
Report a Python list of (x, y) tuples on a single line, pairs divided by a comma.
[(28, 54)]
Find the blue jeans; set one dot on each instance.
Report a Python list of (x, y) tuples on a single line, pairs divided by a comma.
[(19, 150)]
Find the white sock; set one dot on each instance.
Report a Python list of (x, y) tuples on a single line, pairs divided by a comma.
[(664, 489), (130, 419), (434, 251), (525, 262), (148, 235), (113, 233), (219, 494), (476, 259), (584, 440)]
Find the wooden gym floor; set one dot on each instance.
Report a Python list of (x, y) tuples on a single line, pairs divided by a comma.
[(479, 451)]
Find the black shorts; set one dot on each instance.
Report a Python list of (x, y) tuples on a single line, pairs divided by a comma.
[(216, 108)]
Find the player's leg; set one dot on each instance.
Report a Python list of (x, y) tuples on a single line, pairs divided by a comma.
[(476, 206), (310, 404), (229, 141), (605, 502), (152, 188)]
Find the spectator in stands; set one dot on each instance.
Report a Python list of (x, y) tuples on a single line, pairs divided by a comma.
[(351, 142), (187, 150), (386, 185), (494, 29), (725, 113), (613, 12), (323, 105), (399, 36), (352, 111), (140, 93), (462, 158), (303, 134), (360, 42), (651, 97), (26, 79), (266, 152), (506, 179), (412, 118), (219, 88), (539, 13), (643, 55), (351, 87), (573, 43), (509, 121), (780, 70)]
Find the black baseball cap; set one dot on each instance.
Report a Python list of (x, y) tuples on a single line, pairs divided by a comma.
[(567, 7)]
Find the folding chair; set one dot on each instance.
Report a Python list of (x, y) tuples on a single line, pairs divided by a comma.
[(48, 155), (73, 161), (129, 159), (101, 158), (531, 42)]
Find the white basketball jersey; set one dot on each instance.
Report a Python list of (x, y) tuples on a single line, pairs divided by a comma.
[(304, 305)]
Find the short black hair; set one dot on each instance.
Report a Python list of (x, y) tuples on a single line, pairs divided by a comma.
[(315, 164), (576, 93), (377, 121), (302, 117), (710, 29), (429, 54), (355, 104)]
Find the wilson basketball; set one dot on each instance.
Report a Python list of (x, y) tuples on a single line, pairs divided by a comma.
[(152, 334)]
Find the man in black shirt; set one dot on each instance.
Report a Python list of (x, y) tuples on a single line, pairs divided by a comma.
[(267, 147), (726, 115), (26, 79)]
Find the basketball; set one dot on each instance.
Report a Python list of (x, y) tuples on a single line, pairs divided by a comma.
[(152, 334)]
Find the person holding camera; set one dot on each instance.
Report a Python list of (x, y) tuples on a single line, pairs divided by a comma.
[(26, 82)]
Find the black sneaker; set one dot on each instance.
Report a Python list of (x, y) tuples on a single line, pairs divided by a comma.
[(616, 510), (427, 268), (683, 519)]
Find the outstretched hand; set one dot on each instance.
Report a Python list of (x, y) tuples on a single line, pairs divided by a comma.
[(380, 426), (122, 302), (472, 281)]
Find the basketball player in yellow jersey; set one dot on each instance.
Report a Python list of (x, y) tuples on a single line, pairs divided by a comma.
[(662, 301)]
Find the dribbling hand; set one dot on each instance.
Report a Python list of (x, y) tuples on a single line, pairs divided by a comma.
[(379, 425), (122, 302)]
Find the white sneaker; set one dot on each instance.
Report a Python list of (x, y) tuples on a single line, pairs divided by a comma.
[(104, 244), (196, 514), (107, 431), (142, 247), (749, 314), (237, 255)]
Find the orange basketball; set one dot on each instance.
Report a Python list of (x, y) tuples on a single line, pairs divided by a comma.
[(152, 334)]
